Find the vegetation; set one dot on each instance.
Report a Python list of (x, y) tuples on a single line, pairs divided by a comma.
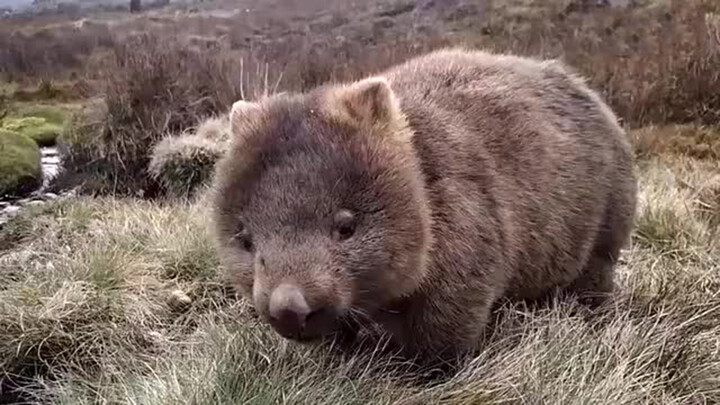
[(113, 297), (35, 128), (184, 163), (19, 163), (655, 63), (89, 301)]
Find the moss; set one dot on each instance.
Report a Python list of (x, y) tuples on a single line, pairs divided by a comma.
[(41, 123), (35, 128), (20, 169), (51, 114)]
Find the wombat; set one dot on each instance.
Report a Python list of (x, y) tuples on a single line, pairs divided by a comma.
[(411, 201)]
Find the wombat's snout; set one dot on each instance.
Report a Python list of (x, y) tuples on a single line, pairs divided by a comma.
[(292, 317)]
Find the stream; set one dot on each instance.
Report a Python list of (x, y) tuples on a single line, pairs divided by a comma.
[(50, 162)]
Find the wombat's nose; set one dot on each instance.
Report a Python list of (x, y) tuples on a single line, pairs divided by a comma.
[(288, 310)]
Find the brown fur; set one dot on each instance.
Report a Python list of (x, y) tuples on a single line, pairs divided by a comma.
[(474, 177)]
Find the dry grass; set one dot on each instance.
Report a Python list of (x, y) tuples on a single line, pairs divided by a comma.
[(118, 300), (160, 74), (32, 49), (89, 316), (184, 163), (681, 140)]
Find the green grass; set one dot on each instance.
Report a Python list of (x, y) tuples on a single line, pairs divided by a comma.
[(41, 123), (20, 169), (86, 308)]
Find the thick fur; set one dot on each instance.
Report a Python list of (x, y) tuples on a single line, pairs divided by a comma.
[(474, 176)]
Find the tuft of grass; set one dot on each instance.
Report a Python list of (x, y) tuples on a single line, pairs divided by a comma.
[(85, 282), (186, 162)]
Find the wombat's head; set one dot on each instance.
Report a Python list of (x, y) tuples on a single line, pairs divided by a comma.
[(320, 209)]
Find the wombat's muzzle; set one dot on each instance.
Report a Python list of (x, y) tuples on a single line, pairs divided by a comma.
[(293, 317)]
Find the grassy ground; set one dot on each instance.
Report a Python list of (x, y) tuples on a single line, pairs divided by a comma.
[(119, 301)]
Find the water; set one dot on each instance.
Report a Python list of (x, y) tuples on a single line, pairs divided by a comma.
[(50, 163)]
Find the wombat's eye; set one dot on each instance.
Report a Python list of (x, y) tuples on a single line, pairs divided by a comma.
[(344, 222), (247, 244), (242, 236)]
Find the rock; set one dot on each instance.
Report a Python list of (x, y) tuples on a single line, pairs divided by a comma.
[(71, 193), (10, 211), (35, 203), (50, 196), (178, 300)]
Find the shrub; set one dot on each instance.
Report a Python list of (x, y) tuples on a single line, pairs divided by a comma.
[(20, 170), (27, 50), (156, 88), (654, 64)]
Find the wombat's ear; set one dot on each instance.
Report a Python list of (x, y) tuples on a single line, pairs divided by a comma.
[(243, 115), (370, 101)]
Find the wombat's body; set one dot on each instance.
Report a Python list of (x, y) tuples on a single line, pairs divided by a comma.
[(420, 197)]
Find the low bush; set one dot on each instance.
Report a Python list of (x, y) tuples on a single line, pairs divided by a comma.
[(35, 51), (155, 88)]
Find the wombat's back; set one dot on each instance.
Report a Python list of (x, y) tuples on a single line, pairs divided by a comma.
[(524, 163)]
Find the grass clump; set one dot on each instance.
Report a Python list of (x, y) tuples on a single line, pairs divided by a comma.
[(186, 162), (20, 170)]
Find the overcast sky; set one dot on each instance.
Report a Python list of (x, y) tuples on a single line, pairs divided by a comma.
[(15, 3)]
